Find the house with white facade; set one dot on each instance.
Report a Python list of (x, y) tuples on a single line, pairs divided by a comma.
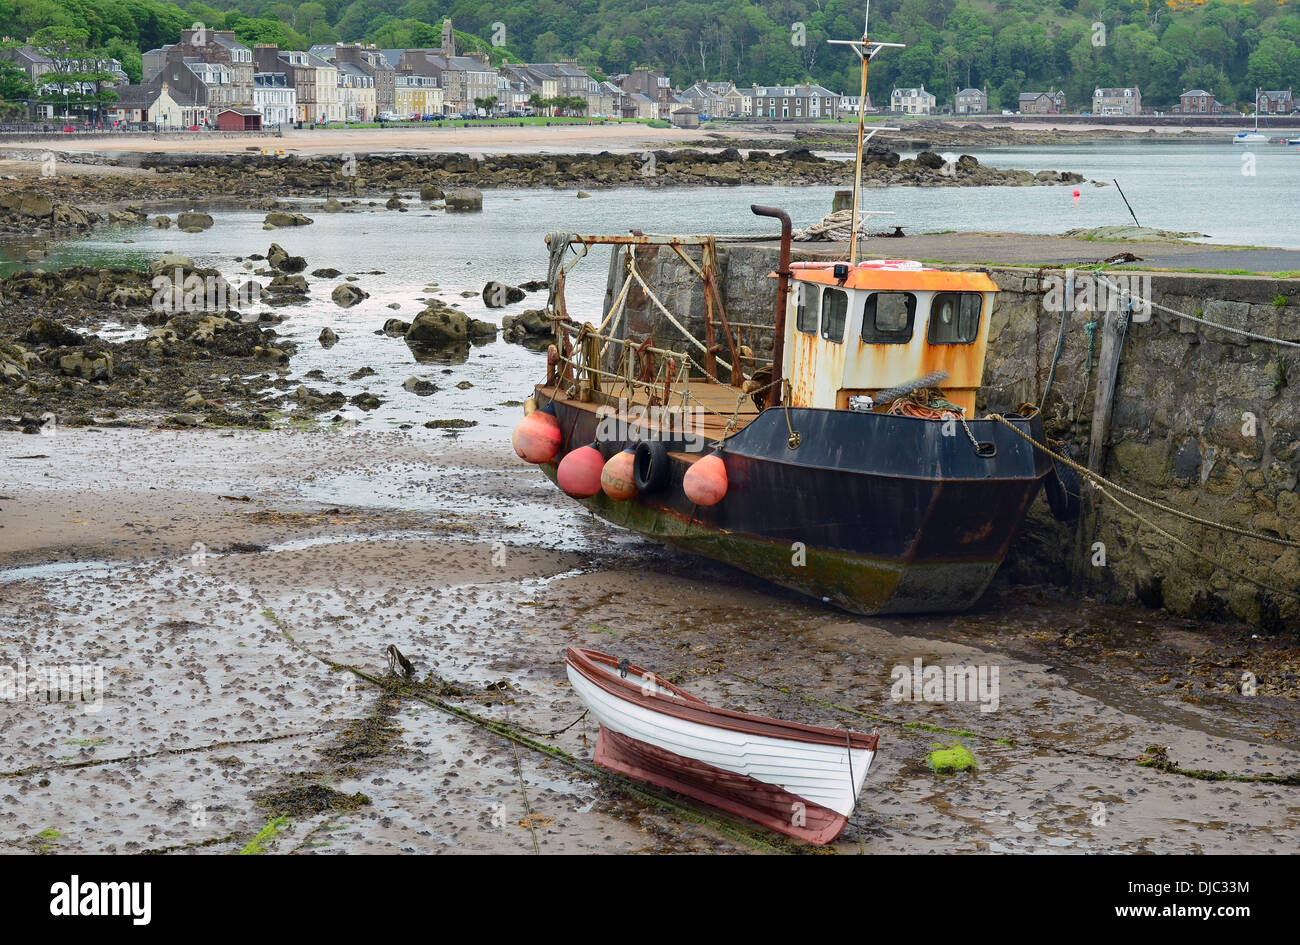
[(912, 101), (274, 98)]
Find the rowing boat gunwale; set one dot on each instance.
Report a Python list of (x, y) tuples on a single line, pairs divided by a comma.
[(587, 661)]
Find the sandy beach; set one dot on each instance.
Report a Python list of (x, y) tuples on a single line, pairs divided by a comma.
[(433, 138)]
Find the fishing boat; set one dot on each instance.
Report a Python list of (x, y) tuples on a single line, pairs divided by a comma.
[(1249, 137), (849, 465), (801, 780)]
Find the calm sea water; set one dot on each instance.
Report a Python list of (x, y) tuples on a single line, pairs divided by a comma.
[(1178, 186)]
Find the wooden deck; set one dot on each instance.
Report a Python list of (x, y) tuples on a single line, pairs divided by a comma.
[(709, 407)]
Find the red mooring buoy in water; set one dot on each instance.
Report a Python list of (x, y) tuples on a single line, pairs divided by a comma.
[(579, 472), (536, 438), (617, 478), (705, 483)]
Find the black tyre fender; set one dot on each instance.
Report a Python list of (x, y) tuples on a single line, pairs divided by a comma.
[(1063, 492), (650, 467)]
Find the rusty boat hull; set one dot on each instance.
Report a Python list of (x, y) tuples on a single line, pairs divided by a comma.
[(876, 513)]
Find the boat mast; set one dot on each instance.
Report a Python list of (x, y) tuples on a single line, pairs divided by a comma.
[(865, 50)]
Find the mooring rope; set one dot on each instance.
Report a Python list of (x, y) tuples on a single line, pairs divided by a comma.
[(1154, 756), (1098, 478), (648, 795), (1198, 318), (1101, 483)]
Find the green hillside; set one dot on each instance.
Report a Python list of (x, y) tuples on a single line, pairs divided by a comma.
[(1007, 46)]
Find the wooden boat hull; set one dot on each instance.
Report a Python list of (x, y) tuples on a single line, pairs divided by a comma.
[(797, 779), (735, 794), (873, 512)]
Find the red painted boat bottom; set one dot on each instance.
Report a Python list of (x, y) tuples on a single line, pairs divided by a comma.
[(737, 794)]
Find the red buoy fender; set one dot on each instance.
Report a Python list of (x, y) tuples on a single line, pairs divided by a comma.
[(579, 472), (705, 483), (536, 438), (618, 478)]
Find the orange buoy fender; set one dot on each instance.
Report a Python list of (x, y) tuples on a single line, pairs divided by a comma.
[(705, 483), (579, 472), (536, 438), (617, 478)]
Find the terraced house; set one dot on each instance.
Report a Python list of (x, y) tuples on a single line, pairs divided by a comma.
[(795, 102), (416, 95), (356, 92), (461, 78), (373, 63), (274, 98), (226, 62), (314, 80)]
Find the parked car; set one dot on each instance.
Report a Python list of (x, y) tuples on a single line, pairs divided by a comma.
[(389, 116)]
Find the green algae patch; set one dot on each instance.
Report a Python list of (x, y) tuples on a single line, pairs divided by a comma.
[(950, 758), (256, 846)]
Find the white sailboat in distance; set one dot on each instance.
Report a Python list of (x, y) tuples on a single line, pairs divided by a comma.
[(1250, 137)]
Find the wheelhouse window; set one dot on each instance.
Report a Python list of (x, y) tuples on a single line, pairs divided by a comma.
[(888, 317), (806, 312), (835, 311), (955, 318)]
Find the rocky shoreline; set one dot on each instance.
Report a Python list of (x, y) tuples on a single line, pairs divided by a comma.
[(257, 179), (183, 346), (937, 134)]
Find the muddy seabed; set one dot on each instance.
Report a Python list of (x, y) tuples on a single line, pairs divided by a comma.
[(183, 563)]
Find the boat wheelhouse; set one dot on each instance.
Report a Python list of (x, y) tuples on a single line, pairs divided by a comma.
[(853, 331)]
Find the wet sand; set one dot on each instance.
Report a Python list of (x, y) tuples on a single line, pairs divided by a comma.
[(478, 570)]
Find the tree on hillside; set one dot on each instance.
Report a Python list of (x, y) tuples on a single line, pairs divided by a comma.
[(16, 90), (424, 36)]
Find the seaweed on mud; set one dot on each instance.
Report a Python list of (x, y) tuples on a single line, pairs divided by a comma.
[(306, 800), (1157, 756), (365, 739)]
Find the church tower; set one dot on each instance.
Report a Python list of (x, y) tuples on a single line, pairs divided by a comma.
[(448, 39)]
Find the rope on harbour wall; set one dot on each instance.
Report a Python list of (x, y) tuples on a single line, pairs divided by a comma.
[(1102, 480), (1202, 320), (1102, 484)]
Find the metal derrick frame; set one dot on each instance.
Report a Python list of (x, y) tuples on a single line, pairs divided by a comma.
[(673, 368)]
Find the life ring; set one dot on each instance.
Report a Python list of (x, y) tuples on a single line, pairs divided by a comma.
[(650, 468), (1063, 492)]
